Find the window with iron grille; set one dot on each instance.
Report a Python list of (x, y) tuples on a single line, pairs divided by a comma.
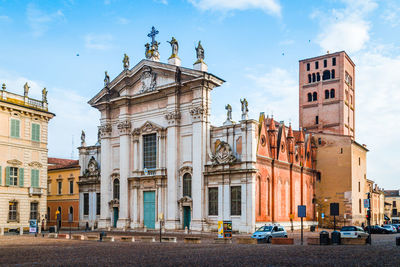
[(85, 203), (12, 211), (34, 211), (97, 203), (236, 200), (213, 201), (13, 176), (187, 185), (149, 151)]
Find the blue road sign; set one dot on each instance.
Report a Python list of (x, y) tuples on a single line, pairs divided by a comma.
[(301, 211)]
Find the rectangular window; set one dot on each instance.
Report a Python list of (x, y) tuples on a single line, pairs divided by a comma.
[(325, 63), (316, 119), (316, 65), (98, 203), (35, 132), (319, 176), (34, 178), (12, 211), (71, 187), (334, 61), (394, 212), (236, 200), (308, 66), (13, 176), (359, 161), (359, 206), (359, 186), (394, 204), (48, 188), (86, 204), (34, 211), (149, 151), (319, 141), (60, 187), (213, 201), (15, 128)]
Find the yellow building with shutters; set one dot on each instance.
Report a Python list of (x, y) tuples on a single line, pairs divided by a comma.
[(23, 159)]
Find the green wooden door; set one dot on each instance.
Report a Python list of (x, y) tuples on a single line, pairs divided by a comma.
[(149, 207), (115, 211), (186, 217)]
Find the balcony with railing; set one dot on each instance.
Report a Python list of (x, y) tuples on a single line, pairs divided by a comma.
[(35, 191), (24, 100)]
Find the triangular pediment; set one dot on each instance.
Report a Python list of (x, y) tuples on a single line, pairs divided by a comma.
[(147, 77), (148, 127)]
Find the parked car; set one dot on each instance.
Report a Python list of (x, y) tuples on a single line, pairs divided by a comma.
[(376, 229), (267, 232), (352, 232), (390, 227), (397, 226)]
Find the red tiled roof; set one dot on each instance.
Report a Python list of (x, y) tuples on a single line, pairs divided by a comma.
[(57, 163)]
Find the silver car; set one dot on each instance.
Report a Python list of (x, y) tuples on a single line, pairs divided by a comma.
[(267, 232)]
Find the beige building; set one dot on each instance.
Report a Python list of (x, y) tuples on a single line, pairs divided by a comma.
[(377, 202), (23, 158), (392, 198), (341, 163)]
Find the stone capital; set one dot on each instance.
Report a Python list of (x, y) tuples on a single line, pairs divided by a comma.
[(105, 130), (173, 117), (198, 113), (124, 127)]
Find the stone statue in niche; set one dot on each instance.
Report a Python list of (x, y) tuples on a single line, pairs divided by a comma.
[(223, 154)]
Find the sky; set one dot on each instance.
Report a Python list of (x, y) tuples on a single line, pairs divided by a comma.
[(254, 45)]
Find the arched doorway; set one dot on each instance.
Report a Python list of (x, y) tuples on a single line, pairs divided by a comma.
[(187, 192), (116, 198)]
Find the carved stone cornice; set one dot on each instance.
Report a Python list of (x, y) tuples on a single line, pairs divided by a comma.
[(147, 127), (124, 127), (105, 130)]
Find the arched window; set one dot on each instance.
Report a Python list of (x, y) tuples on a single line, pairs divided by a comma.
[(314, 96), (71, 211), (326, 75), (333, 74), (309, 96), (187, 185), (116, 189), (313, 77), (332, 93), (326, 94), (318, 77), (309, 78)]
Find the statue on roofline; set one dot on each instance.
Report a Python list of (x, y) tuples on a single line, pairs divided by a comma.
[(44, 95), (106, 78), (245, 108), (199, 52), (83, 137), (174, 46), (229, 112), (126, 62), (26, 89)]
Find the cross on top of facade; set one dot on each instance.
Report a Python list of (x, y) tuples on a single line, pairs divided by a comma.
[(153, 34)]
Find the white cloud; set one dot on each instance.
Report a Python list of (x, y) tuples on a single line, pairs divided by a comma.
[(345, 29), (123, 21), (39, 21), (69, 108), (272, 7), (98, 41), (391, 14)]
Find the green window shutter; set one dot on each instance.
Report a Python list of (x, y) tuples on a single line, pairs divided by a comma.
[(1, 177), (32, 178), (36, 181), (15, 128), (35, 132), (7, 176), (21, 177)]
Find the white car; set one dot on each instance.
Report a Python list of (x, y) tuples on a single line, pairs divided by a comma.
[(352, 232), (390, 228)]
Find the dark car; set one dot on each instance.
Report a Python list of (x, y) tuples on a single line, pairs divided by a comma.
[(397, 226), (376, 229)]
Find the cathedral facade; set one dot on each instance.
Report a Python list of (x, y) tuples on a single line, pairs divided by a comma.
[(163, 164)]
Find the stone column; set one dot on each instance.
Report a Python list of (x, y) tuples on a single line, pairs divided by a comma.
[(135, 206), (226, 200), (105, 184), (135, 152), (124, 128)]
